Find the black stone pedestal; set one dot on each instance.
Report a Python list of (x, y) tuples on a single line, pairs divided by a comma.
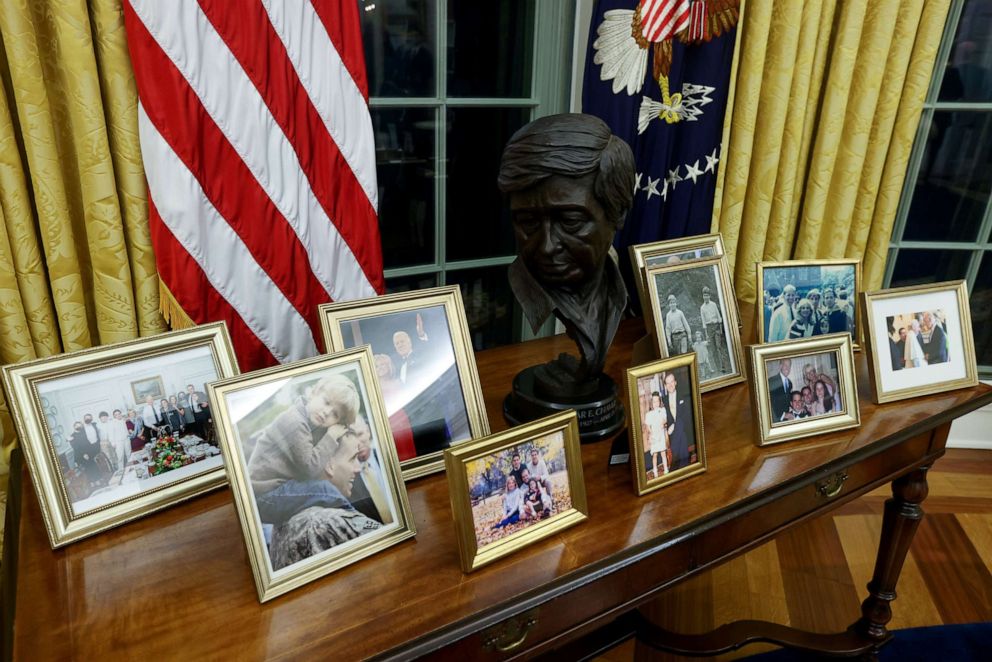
[(600, 413)]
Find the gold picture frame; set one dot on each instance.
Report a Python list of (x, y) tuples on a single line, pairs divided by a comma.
[(956, 370), (84, 486), (258, 414), (341, 326), (774, 421), (712, 271), (855, 315), (140, 393), (647, 255), (683, 369), (467, 501)]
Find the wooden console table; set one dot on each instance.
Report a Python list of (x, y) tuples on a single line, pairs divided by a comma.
[(178, 585)]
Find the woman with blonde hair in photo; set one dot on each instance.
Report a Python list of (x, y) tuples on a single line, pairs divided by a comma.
[(804, 325)]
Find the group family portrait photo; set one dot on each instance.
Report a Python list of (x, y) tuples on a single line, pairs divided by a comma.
[(131, 428), (808, 299), (803, 387), (314, 464), (517, 487), (694, 311)]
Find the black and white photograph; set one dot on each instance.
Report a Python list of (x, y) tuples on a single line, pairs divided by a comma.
[(694, 312), (111, 446), (804, 299), (312, 467)]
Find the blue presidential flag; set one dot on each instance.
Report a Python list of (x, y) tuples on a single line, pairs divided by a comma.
[(658, 72)]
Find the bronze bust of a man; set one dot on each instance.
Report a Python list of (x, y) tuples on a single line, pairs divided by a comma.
[(570, 182)]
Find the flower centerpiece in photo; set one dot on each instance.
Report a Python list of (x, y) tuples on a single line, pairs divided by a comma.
[(168, 454)]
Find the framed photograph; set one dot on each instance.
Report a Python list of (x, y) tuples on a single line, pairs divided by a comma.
[(802, 388), (666, 422), (672, 251), (99, 455), (425, 366), (919, 340), (312, 466), (693, 311), (515, 487), (806, 298), (152, 387)]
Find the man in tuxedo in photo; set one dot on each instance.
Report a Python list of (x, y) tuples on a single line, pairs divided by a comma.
[(423, 409), (780, 388), (678, 411)]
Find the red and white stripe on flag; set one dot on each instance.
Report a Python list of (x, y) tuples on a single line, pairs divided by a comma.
[(257, 143), (660, 19)]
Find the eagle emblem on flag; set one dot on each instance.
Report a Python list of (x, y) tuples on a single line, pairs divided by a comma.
[(625, 37)]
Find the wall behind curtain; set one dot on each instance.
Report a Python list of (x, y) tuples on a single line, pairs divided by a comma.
[(827, 102), (76, 262)]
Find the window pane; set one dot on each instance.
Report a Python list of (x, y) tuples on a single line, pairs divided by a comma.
[(489, 48), (966, 77), (404, 148), (492, 310), (952, 189), (981, 311), (914, 267), (407, 283), (400, 38), (478, 218)]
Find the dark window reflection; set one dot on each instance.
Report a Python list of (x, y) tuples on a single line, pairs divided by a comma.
[(952, 189), (489, 48), (981, 311), (968, 76), (492, 311), (915, 267), (399, 38), (408, 283), (478, 217), (404, 149)]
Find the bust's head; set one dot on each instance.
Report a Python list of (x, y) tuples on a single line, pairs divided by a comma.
[(571, 183)]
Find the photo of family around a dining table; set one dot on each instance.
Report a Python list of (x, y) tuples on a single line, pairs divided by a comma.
[(314, 463), (919, 339), (131, 428), (517, 487), (803, 387)]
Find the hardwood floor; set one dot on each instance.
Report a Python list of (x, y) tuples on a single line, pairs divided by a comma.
[(814, 576)]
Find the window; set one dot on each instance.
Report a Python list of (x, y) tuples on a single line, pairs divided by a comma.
[(449, 82), (943, 229)]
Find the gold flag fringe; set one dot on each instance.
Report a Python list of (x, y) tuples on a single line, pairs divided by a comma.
[(173, 313)]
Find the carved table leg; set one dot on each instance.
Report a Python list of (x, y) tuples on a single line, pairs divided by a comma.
[(902, 515)]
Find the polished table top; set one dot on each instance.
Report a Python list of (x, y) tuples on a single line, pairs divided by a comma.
[(182, 577)]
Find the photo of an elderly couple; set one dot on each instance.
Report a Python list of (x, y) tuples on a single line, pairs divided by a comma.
[(415, 365), (668, 425), (803, 387), (918, 339), (314, 462), (694, 315), (518, 487), (801, 301), (114, 440)]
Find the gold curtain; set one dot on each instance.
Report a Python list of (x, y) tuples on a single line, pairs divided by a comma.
[(827, 101), (76, 262)]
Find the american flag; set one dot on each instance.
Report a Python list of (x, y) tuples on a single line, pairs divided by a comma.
[(258, 150)]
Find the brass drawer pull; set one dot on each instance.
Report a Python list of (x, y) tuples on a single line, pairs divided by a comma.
[(828, 488), (509, 634)]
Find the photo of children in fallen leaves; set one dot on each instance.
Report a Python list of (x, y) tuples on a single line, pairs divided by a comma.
[(518, 487)]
